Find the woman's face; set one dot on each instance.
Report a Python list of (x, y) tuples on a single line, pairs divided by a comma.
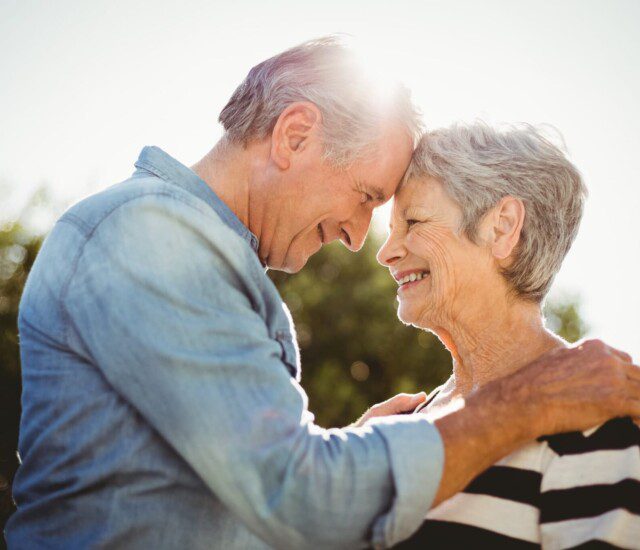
[(441, 273)]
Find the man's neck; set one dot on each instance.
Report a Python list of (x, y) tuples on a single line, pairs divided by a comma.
[(227, 170)]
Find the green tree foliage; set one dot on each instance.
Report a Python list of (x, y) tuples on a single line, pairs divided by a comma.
[(563, 318), (18, 249)]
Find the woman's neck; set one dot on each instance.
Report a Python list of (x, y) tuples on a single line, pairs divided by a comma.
[(487, 347)]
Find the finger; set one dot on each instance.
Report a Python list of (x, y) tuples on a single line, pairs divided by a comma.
[(405, 402), (417, 399), (632, 389), (396, 398), (593, 343), (622, 355), (631, 408), (596, 345), (633, 373), (407, 397)]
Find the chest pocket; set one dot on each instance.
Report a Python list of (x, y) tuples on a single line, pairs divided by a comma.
[(290, 354)]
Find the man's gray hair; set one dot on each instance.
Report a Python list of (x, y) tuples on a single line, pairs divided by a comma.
[(328, 74), (479, 165)]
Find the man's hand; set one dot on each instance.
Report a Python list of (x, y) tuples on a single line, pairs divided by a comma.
[(575, 389), (564, 390), (399, 404)]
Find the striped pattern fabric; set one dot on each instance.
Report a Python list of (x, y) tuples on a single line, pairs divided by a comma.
[(574, 490)]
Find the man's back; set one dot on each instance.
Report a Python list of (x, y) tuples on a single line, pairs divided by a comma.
[(94, 471)]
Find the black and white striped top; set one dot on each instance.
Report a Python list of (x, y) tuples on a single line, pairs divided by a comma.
[(574, 490)]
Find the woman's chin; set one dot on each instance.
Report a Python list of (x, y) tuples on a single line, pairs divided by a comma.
[(410, 316)]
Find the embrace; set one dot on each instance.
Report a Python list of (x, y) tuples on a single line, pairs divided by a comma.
[(162, 405)]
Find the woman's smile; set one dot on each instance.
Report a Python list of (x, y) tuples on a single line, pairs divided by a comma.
[(410, 279)]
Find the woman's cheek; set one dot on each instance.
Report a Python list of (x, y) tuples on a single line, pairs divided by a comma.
[(444, 273), (423, 242), (417, 244), (431, 244)]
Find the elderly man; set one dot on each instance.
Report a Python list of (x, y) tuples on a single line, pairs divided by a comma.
[(162, 407)]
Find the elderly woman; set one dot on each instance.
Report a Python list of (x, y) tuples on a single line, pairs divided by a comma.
[(478, 232)]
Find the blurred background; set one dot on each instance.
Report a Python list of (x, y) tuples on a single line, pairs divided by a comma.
[(85, 85)]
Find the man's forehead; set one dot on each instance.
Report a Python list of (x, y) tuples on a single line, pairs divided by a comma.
[(385, 170)]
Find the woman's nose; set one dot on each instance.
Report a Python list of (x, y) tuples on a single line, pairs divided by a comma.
[(390, 252)]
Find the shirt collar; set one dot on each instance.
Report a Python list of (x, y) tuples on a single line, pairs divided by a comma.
[(157, 162)]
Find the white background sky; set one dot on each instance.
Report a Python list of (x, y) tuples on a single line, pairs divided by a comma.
[(85, 84)]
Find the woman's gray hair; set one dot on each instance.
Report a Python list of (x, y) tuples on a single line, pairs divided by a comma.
[(328, 74), (479, 165)]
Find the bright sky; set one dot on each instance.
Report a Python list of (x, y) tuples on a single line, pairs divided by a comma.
[(84, 85)]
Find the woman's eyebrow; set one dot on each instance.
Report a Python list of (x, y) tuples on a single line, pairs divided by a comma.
[(407, 211), (413, 210)]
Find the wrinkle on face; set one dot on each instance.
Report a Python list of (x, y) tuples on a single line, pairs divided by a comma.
[(341, 200), (435, 240)]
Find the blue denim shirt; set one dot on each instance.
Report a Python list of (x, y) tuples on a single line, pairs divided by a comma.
[(161, 398)]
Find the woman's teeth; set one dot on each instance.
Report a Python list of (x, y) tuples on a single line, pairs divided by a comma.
[(413, 277)]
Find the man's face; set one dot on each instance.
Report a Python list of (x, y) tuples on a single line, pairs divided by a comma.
[(321, 203)]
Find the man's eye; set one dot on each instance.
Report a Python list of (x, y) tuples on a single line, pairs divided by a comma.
[(411, 222), (366, 198)]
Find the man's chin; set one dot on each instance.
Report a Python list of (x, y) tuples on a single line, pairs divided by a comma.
[(295, 267), (289, 265)]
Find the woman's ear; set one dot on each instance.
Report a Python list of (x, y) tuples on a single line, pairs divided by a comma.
[(507, 218), (296, 126)]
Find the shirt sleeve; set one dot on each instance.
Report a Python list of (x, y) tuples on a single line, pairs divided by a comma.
[(160, 302)]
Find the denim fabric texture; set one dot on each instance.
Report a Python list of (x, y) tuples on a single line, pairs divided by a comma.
[(162, 405)]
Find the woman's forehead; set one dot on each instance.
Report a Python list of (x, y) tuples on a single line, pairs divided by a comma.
[(424, 196), (416, 192)]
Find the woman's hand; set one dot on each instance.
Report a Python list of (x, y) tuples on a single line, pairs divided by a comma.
[(402, 403)]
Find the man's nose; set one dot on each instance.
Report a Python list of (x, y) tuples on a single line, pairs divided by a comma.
[(354, 233)]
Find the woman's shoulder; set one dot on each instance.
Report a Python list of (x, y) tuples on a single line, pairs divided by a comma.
[(591, 486), (612, 446), (616, 434)]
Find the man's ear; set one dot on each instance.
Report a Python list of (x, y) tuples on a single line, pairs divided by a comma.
[(296, 126), (507, 220)]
